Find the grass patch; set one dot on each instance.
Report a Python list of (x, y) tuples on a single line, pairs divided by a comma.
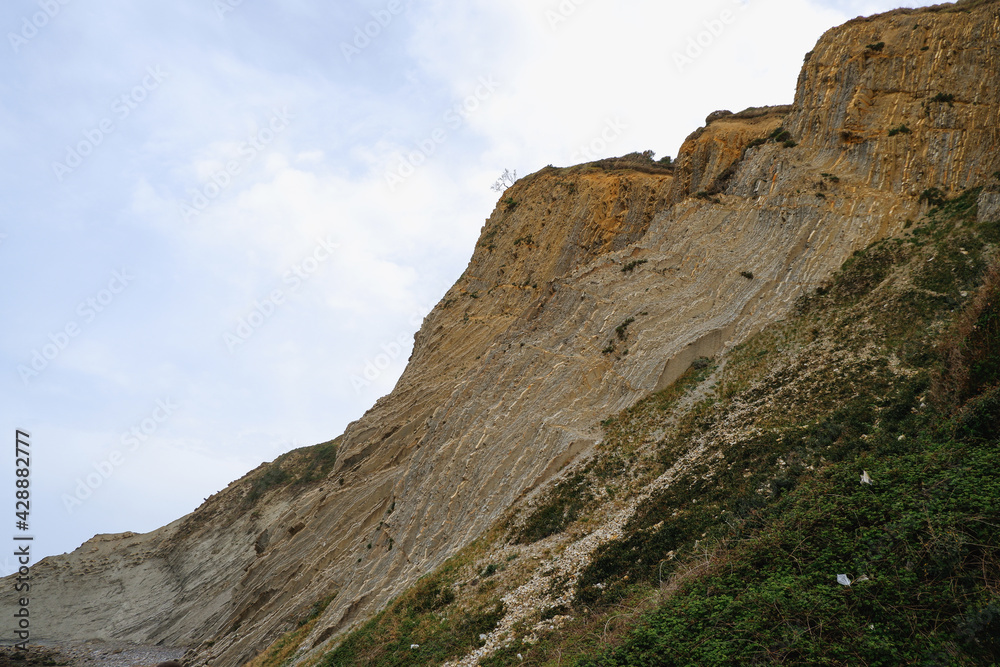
[(426, 616), (922, 534), (281, 652), (562, 505), (299, 467)]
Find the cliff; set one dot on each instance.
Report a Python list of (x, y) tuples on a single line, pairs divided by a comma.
[(590, 287)]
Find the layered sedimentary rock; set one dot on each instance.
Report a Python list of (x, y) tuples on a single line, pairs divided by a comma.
[(589, 287)]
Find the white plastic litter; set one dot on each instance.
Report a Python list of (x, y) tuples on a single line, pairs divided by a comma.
[(843, 580), (863, 577), (414, 646), (865, 479)]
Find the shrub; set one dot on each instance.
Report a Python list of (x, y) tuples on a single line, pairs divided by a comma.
[(510, 203), (902, 129), (876, 47), (631, 266), (933, 196), (747, 274), (560, 508), (781, 134), (622, 329), (789, 143), (971, 350), (944, 97)]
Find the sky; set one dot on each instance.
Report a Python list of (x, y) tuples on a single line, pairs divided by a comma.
[(224, 220)]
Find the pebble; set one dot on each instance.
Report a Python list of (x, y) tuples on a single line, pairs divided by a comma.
[(109, 654)]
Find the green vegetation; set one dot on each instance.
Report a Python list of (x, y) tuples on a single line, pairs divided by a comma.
[(876, 47), (747, 274), (488, 239), (933, 196), (282, 651), (562, 505), (944, 97), (780, 134), (510, 204), (631, 266), (921, 534), (622, 329), (902, 129), (642, 162), (489, 570), (303, 466), (428, 617)]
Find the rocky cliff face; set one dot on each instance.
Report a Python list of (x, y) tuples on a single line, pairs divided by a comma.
[(590, 287)]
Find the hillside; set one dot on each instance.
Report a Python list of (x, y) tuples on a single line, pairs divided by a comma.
[(648, 382)]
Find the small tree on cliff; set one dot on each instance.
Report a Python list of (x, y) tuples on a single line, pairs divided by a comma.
[(506, 180)]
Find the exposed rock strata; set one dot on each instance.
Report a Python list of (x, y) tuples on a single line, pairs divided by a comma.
[(530, 349)]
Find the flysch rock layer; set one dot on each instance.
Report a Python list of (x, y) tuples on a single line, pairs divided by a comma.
[(512, 372)]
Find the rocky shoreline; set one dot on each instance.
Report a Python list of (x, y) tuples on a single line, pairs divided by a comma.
[(89, 654)]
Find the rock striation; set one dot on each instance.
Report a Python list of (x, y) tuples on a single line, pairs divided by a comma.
[(589, 287)]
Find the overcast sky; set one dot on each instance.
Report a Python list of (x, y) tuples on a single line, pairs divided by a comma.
[(223, 220)]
